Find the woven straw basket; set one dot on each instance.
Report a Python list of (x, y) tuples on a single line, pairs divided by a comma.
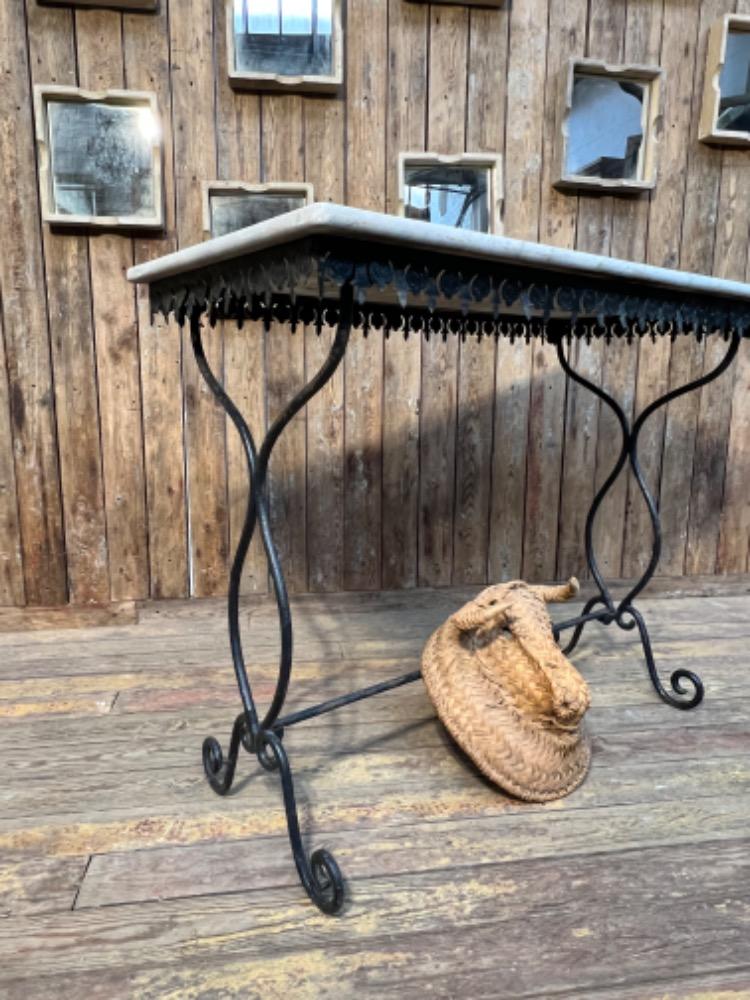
[(506, 693)]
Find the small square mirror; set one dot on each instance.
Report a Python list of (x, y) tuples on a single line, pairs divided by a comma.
[(100, 158), (459, 191), (285, 44), (608, 127), (725, 116), (232, 205)]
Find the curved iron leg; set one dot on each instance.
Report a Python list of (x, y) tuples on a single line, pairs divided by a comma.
[(625, 614), (320, 876), (677, 677)]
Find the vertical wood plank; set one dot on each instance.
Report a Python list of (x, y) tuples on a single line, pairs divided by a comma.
[(485, 132), (363, 367), (643, 32), (605, 42), (101, 67), (406, 130), (283, 160), (733, 549), (324, 153), (525, 117), (679, 41), (146, 53), (11, 564), (558, 217), (33, 437), (718, 532), (446, 114), (53, 60), (192, 71), (686, 453), (238, 130)]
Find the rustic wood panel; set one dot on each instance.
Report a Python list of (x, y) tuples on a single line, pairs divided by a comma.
[(146, 44), (101, 67), (422, 462), (408, 26), (193, 103), (366, 88), (26, 331), (451, 884), (12, 591), (678, 54), (53, 58), (324, 169)]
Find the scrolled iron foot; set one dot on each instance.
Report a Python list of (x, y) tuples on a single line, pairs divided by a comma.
[(320, 873), (220, 770), (685, 700), (578, 631)]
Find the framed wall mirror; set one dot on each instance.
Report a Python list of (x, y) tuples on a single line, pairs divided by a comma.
[(285, 44), (463, 191), (232, 205), (725, 114), (608, 118), (100, 158)]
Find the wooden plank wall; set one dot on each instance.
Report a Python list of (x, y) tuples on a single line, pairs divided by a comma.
[(422, 463)]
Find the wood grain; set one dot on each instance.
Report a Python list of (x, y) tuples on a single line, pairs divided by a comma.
[(366, 62), (180, 890), (12, 590), (53, 59), (193, 100), (421, 462), (146, 47), (406, 130)]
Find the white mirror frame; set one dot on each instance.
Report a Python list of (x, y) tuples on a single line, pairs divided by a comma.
[(289, 188), (652, 78), (247, 80), (716, 53), (493, 162), (43, 95)]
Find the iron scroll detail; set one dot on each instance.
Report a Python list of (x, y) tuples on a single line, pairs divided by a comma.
[(301, 282), (319, 874), (686, 687)]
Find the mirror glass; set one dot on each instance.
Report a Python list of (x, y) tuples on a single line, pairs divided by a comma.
[(734, 84), (284, 37), (450, 195), (233, 210), (605, 127), (102, 158)]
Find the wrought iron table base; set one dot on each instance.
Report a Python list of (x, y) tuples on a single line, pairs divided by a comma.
[(319, 873)]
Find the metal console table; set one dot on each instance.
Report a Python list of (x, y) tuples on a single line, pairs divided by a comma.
[(354, 269)]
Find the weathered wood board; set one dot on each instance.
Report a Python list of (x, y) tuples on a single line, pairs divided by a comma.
[(634, 887), (422, 463)]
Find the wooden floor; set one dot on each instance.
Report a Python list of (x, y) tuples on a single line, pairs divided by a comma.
[(123, 875)]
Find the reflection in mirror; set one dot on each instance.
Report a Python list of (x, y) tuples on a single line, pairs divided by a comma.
[(605, 127), (450, 195), (102, 158), (734, 84), (233, 210), (284, 37)]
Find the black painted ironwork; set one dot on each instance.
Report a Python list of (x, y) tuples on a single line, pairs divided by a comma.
[(436, 294), (319, 874), (432, 298), (686, 685)]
